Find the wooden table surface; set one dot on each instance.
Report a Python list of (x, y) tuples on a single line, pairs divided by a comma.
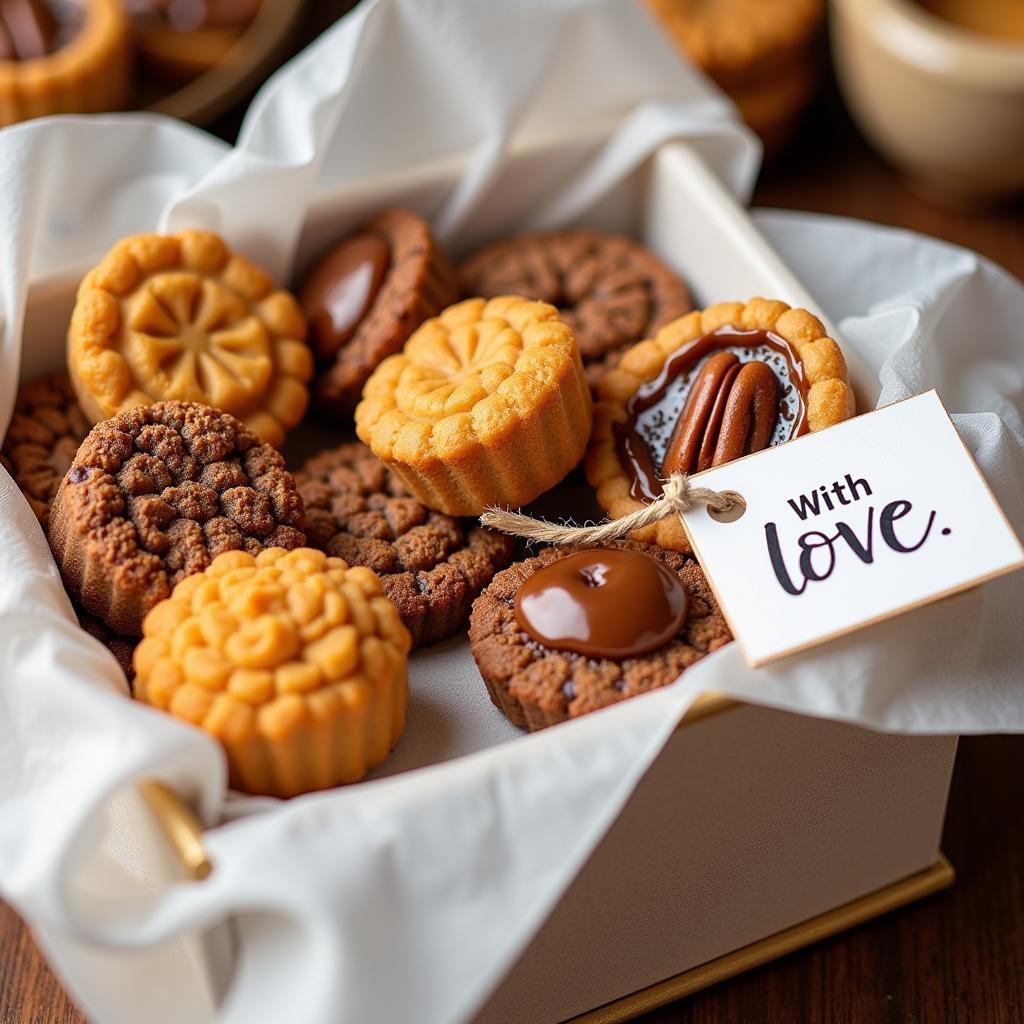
[(955, 957)]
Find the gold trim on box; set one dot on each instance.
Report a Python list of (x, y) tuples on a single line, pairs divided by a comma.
[(939, 876)]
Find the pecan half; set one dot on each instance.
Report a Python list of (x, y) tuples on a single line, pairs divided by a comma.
[(731, 411)]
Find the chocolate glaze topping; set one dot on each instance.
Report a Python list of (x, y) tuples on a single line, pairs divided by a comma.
[(339, 292), (603, 603), (706, 408)]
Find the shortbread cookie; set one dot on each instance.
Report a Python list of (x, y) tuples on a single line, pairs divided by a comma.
[(486, 405), (182, 318), (62, 57), (41, 442), (366, 296), (154, 495), (431, 566), (295, 662), (609, 290), (712, 386), (628, 618)]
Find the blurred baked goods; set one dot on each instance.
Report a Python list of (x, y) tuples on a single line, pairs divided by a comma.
[(764, 53), (431, 566), (712, 386), (181, 39), (575, 629), (62, 56), (609, 290), (486, 405), (295, 662), (154, 495), (365, 297), (182, 318), (45, 431)]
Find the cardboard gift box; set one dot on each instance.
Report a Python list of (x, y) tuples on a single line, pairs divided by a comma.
[(755, 831)]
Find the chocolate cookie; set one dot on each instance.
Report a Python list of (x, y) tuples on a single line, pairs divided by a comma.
[(45, 432), (432, 565), (367, 295), (157, 492), (609, 290), (573, 630)]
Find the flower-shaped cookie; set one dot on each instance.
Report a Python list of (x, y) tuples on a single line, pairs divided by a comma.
[(180, 317), (293, 660), (486, 405), (712, 386)]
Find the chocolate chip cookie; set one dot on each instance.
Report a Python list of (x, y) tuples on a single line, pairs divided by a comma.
[(609, 290), (45, 432), (366, 296), (628, 618), (432, 565), (154, 495)]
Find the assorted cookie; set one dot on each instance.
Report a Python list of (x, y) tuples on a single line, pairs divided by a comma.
[(486, 405), (715, 385), (154, 495), (294, 661), (182, 318), (45, 431), (609, 290), (278, 612), (431, 565), (62, 57), (573, 630), (366, 296)]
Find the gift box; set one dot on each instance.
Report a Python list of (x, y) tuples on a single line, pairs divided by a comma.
[(592, 870)]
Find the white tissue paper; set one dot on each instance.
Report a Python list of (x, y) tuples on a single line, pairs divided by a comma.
[(406, 898)]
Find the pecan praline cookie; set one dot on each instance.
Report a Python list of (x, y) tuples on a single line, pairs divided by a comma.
[(366, 295), (154, 495), (46, 429), (486, 405), (182, 318), (536, 685), (294, 661), (432, 566), (609, 290), (711, 386)]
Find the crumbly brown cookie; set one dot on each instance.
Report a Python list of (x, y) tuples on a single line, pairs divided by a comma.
[(432, 566), (154, 495), (366, 296), (609, 290), (45, 432), (536, 686)]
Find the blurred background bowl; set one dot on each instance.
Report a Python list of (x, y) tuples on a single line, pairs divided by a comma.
[(943, 102)]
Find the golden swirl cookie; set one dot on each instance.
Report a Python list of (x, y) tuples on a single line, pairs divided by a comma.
[(712, 386), (182, 318), (487, 404), (295, 662)]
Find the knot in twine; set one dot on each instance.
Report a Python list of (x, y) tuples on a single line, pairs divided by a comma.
[(679, 496)]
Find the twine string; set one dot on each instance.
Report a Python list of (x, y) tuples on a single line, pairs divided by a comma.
[(679, 496)]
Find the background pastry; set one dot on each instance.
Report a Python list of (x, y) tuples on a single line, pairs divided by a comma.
[(486, 405), (366, 296), (431, 565), (293, 660), (60, 57), (714, 385), (609, 290), (154, 495), (576, 629), (182, 318)]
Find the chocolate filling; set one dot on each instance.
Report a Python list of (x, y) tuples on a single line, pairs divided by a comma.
[(653, 413)]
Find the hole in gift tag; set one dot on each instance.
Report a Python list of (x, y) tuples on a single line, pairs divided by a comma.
[(732, 513)]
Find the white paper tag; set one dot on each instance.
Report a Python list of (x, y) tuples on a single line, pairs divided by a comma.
[(849, 526)]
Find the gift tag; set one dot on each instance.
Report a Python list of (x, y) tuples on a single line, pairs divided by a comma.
[(849, 526)]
